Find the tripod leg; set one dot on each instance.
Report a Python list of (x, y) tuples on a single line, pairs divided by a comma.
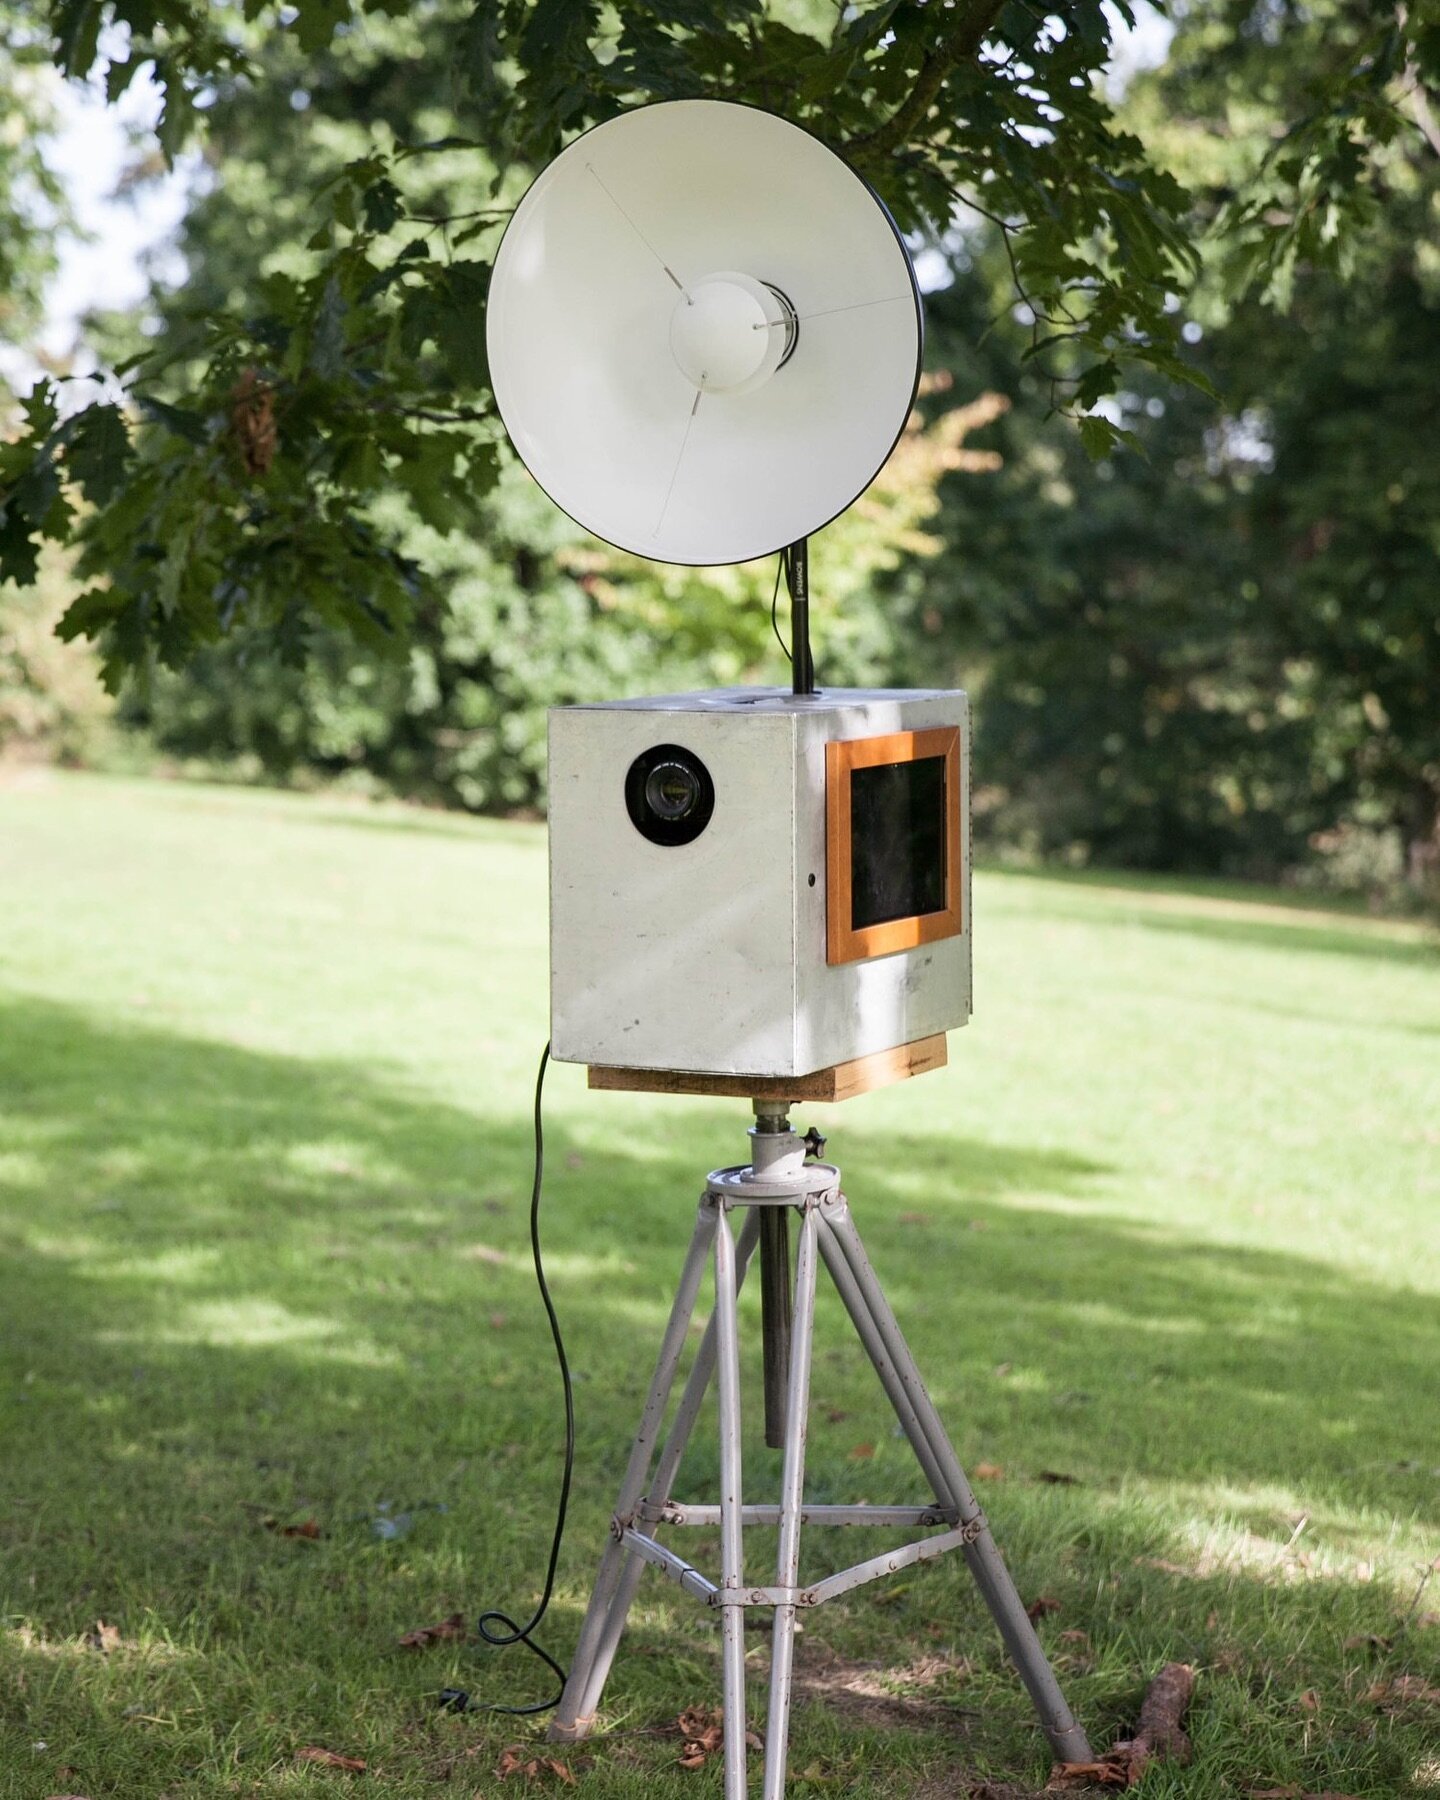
[(573, 1716), (864, 1325), (732, 1557), (792, 1497), (1066, 1738), (620, 1572)]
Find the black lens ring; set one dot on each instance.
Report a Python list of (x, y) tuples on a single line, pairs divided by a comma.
[(672, 791), (652, 825)]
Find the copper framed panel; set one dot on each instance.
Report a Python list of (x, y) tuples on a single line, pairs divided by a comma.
[(844, 943)]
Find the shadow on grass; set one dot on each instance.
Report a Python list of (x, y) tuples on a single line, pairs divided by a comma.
[(1235, 916), (238, 1285), (1330, 940), (190, 1205)]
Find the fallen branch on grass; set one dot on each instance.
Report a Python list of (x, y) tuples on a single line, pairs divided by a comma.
[(1159, 1734)]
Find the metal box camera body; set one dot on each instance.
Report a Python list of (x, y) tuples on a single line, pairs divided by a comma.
[(743, 882)]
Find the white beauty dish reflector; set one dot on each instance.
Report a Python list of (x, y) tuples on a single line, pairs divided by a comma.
[(704, 332)]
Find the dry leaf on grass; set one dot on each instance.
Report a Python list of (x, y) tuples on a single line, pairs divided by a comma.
[(1309, 1701), (862, 1453), (330, 1759), (453, 1627), (307, 1528), (485, 1253), (104, 1637), (1110, 1772), (1165, 1567), (926, 1671), (1403, 1690), (1158, 1734), (989, 1471), (1040, 1607), (514, 1761), (702, 1733), (1291, 1792)]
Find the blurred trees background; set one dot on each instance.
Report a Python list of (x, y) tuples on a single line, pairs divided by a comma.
[(1205, 637)]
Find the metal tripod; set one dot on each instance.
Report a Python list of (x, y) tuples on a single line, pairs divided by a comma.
[(779, 1177)]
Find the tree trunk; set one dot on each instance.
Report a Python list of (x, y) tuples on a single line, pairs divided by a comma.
[(1422, 840)]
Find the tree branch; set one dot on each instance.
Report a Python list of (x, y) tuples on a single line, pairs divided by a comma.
[(1418, 98), (959, 44)]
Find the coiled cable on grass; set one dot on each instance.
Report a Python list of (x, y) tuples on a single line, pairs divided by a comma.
[(494, 1626)]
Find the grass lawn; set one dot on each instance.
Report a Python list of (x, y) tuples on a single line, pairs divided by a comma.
[(1166, 1226)]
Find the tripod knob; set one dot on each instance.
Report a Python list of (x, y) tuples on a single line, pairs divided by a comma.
[(814, 1143)]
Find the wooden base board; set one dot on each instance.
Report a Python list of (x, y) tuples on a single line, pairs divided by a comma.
[(842, 1082)]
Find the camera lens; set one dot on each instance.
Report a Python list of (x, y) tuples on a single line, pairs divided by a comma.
[(672, 791), (669, 795)]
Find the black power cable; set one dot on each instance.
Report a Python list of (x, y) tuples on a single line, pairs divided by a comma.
[(781, 568), (512, 1633)]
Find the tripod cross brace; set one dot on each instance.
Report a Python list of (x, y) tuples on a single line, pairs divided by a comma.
[(777, 1178)]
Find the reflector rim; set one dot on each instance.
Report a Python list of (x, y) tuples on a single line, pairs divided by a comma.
[(885, 213)]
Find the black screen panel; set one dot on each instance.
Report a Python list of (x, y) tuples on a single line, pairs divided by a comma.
[(897, 841)]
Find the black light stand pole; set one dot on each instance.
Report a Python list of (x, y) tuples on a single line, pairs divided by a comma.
[(775, 1299), (802, 664)]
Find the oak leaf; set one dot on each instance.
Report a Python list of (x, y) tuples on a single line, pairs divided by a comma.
[(1403, 1689), (453, 1627), (330, 1759), (702, 1732), (514, 1761)]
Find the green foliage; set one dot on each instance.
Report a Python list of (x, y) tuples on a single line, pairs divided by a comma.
[(1222, 656), (1341, 517), (31, 202), (1108, 620), (365, 353), (1216, 658), (536, 615), (52, 706)]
